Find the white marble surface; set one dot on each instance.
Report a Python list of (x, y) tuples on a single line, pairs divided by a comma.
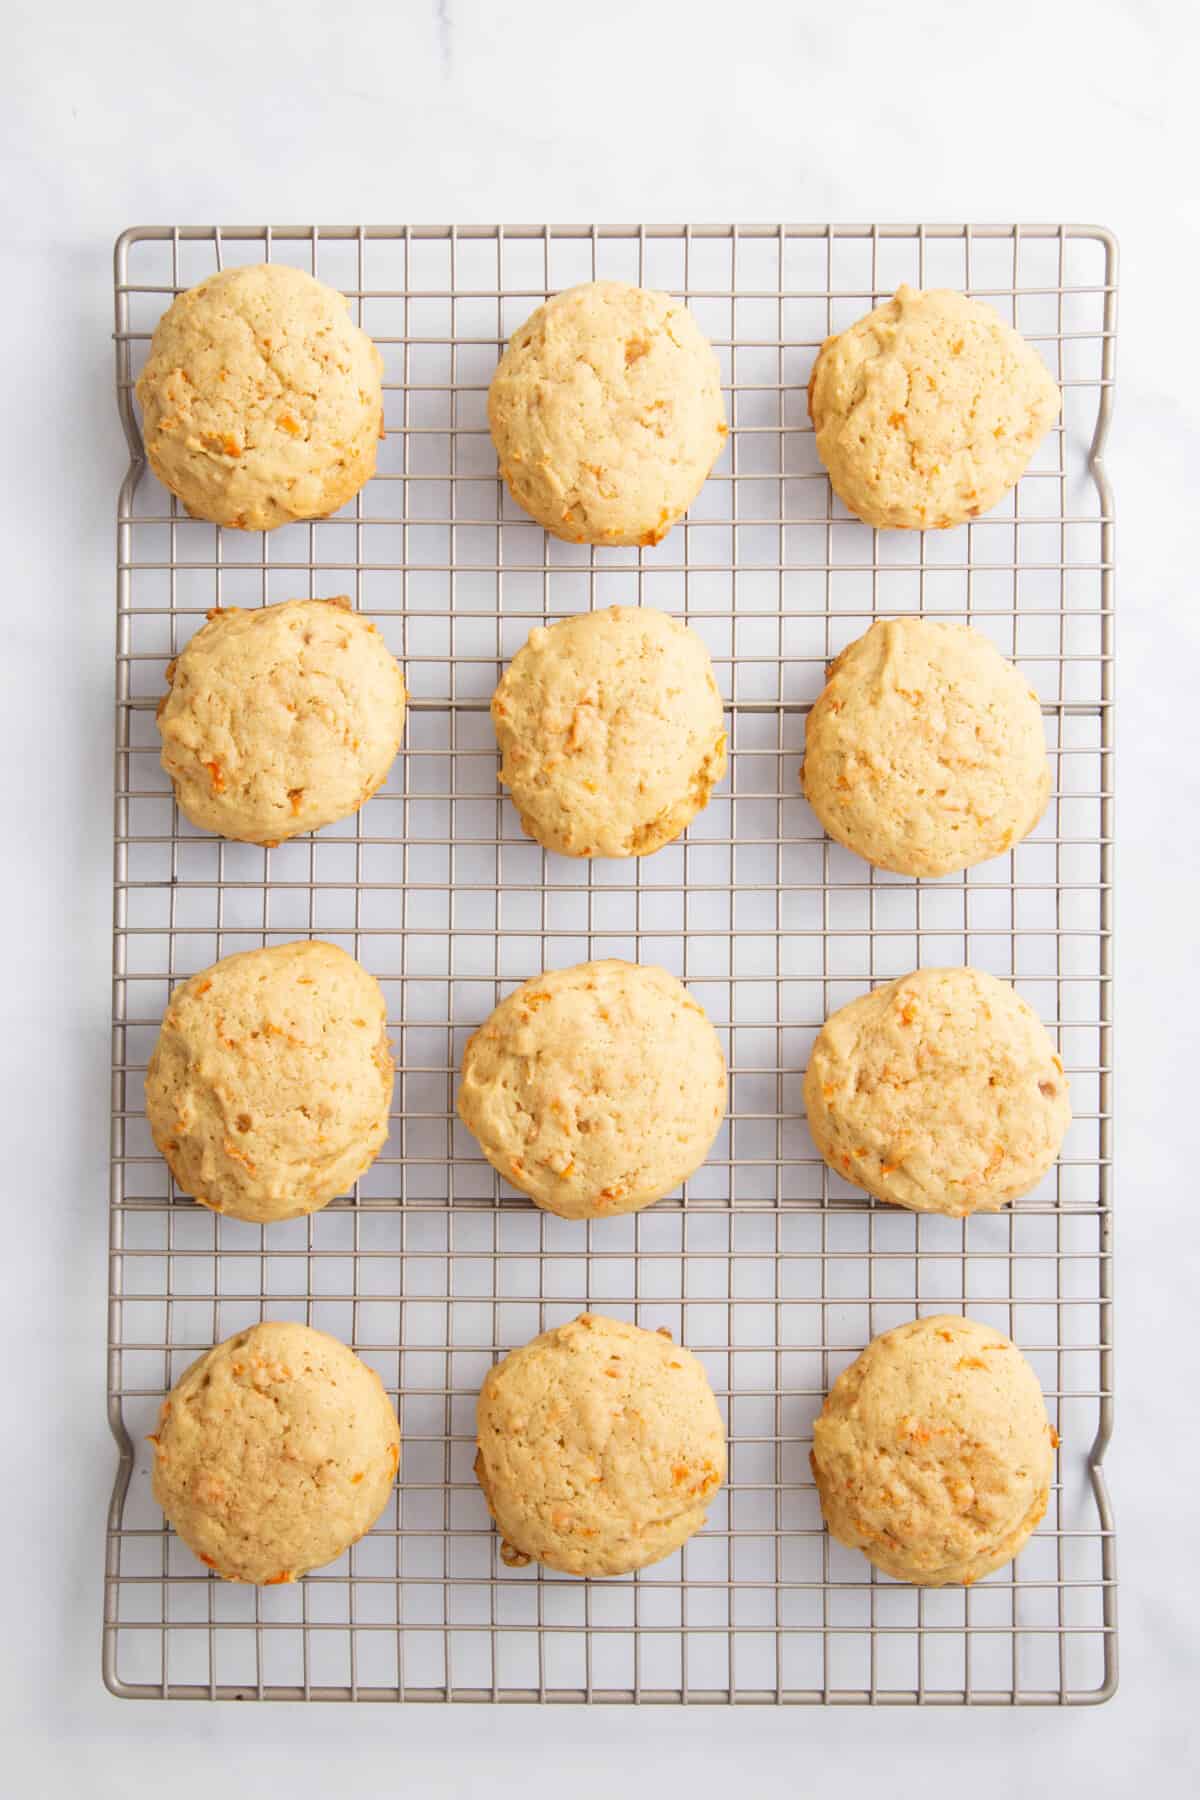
[(449, 110)]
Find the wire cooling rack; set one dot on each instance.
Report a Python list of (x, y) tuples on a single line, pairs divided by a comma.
[(771, 1268)]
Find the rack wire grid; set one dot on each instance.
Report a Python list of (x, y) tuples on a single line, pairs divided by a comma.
[(770, 1267)]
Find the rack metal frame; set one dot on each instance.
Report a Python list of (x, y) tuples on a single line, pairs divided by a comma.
[(770, 1267)]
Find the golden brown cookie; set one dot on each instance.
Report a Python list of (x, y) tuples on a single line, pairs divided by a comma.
[(274, 1452), (261, 400), (928, 410), (606, 413), (611, 731), (600, 1447), (933, 1454), (269, 1087), (926, 753), (941, 1092), (281, 719), (595, 1089)]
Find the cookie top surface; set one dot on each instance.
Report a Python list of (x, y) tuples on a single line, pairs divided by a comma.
[(933, 1453), (606, 413), (269, 1087), (611, 731), (941, 1092), (926, 753), (928, 409), (280, 719), (595, 1089), (600, 1447), (261, 400), (274, 1452)]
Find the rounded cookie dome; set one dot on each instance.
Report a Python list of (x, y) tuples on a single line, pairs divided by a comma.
[(941, 1092), (611, 732), (280, 719), (928, 410), (274, 1452), (933, 1454), (262, 401), (606, 413), (600, 1447), (595, 1089), (269, 1087), (925, 753)]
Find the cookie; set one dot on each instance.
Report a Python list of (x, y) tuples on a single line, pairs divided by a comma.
[(606, 413), (928, 410), (926, 752), (274, 1452), (940, 1092), (933, 1454), (600, 1448), (269, 1087), (611, 732), (262, 401), (596, 1089), (279, 720)]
